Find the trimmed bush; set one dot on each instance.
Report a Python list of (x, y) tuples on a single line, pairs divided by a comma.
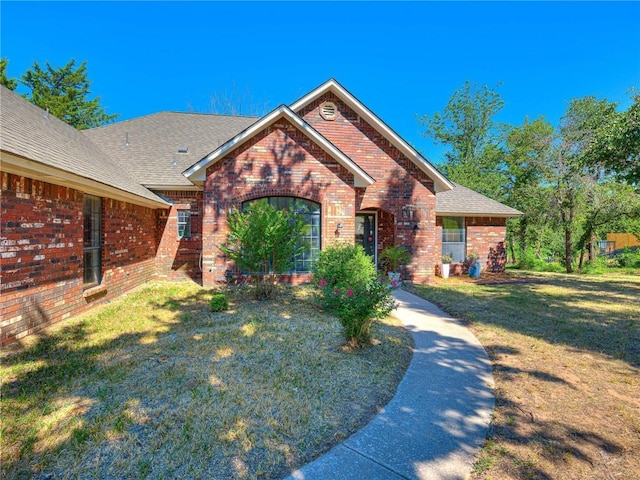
[(344, 265), (219, 302), (350, 289)]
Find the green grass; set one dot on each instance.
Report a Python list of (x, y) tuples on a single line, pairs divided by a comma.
[(156, 385), (565, 351)]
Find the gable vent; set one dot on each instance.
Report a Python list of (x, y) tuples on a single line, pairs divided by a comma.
[(328, 111)]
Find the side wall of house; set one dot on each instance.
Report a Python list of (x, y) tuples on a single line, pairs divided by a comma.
[(41, 253), (485, 235), (403, 195), (279, 161), (179, 258)]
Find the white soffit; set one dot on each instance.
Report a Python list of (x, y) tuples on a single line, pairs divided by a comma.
[(197, 172), (440, 181)]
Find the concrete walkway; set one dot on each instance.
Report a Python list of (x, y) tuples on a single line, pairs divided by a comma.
[(436, 422)]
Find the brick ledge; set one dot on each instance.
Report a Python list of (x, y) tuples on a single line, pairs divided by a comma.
[(92, 293)]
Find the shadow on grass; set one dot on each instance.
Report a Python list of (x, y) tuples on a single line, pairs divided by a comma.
[(68, 393), (596, 315), (586, 315)]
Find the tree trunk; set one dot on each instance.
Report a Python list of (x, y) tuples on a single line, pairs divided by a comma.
[(592, 247), (568, 257)]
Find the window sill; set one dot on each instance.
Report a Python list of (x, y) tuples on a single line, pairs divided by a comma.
[(93, 292)]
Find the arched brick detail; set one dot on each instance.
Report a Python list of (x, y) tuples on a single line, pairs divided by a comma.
[(280, 192)]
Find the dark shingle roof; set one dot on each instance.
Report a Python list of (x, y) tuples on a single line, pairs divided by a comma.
[(463, 201), (154, 141), (28, 131)]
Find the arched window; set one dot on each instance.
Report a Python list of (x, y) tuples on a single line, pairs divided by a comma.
[(310, 212)]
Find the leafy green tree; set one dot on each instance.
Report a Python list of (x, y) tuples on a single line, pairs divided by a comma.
[(10, 83), (64, 91), (566, 167), (615, 144), (609, 205), (526, 151), (263, 241), (475, 158)]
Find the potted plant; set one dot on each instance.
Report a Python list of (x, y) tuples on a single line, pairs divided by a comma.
[(474, 265), (446, 261), (392, 257)]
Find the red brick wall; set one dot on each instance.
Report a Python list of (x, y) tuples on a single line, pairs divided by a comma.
[(41, 239), (179, 258), (402, 194), (129, 245), (279, 161), (485, 235)]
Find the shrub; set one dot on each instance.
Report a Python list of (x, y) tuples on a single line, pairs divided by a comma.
[(263, 241), (597, 266), (394, 256), (219, 302), (349, 288), (344, 265), (629, 258)]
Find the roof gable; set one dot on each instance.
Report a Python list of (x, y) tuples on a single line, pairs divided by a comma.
[(197, 172), (440, 181)]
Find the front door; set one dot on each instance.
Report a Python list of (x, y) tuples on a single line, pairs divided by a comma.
[(366, 232)]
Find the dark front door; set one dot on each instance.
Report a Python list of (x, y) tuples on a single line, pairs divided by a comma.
[(366, 232)]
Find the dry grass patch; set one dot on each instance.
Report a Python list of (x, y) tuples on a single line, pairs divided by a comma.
[(155, 385), (566, 356)]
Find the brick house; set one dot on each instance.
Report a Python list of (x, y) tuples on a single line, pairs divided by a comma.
[(88, 215)]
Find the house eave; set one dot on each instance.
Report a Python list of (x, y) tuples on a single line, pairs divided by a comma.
[(478, 214), (441, 183), (21, 166), (197, 172), (176, 188)]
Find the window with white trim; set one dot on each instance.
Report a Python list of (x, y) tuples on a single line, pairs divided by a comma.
[(184, 224), (454, 238)]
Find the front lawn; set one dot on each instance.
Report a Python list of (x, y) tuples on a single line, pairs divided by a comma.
[(566, 357), (155, 385)]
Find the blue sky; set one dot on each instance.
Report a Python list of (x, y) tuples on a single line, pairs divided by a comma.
[(401, 59)]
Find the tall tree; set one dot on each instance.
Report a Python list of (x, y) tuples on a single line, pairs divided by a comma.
[(567, 172), (526, 151), (615, 145), (10, 83), (475, 158), (65, 91)]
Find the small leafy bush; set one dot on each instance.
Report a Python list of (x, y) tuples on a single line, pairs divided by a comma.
[(629, 258), (350, 289), (219, 302), (394, 256), (597, 266), (344, 265)]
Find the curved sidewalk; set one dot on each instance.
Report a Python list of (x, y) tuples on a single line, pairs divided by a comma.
[(438, 419)]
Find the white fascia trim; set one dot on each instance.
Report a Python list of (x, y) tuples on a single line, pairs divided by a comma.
[(29, 168), (197, 172), (440, 181)]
